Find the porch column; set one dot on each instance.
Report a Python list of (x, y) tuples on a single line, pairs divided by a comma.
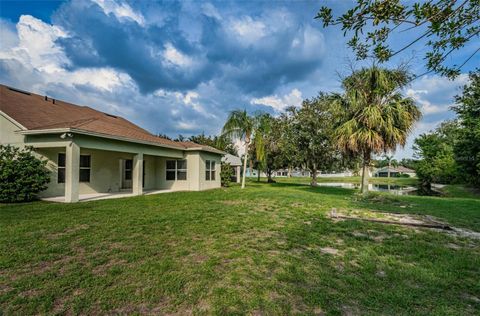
[(237, 173), (137, 174), (72, 172)]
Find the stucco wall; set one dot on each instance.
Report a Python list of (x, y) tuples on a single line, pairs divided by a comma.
[(209, 184), (7, 132), (105, 174)]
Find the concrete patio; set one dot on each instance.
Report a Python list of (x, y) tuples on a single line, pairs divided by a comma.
[(103, 196)]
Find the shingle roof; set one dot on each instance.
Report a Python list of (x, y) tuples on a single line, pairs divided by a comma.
[(35, 112)]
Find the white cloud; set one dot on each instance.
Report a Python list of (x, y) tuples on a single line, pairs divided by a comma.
[(172, 56), (209, 10), (248, 29), (294, 98), (121, 11), (435, 94), (36, 49)]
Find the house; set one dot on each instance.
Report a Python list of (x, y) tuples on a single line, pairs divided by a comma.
[(91, 153), (395, 172), (236, 163)]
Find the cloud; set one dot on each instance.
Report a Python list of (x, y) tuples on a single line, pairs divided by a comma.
[(294, 98), (435, 94), (121, 11)]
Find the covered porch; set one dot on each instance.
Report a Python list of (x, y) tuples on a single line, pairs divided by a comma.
[(85, 170)]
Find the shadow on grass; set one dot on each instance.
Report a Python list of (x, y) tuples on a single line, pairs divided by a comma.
[(308, 188)]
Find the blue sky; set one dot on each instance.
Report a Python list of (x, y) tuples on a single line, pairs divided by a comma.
[(179, 67)]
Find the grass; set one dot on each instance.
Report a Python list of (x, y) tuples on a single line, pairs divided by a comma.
[(375, 180), (269, 249)]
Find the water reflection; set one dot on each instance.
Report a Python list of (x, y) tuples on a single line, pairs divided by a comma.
[(390, 188)]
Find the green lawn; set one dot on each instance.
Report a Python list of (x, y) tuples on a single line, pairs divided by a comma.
[(379, 180), (267, 250)]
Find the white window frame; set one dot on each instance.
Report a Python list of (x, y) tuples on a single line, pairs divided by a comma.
[(210, 174), (176, 170), (86, 168)]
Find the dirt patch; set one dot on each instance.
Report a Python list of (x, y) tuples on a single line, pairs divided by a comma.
[(68, 231), (233, 202), (407, 220), (329, 250), (102, 269)]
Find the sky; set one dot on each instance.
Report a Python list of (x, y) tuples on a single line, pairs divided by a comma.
[(179, 67)]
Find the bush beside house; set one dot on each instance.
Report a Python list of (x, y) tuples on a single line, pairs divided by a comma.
[(22, 175)]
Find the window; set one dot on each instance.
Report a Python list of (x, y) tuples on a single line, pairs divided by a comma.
[(181, 170), (210, 170), (176, 170), (61, 168), (128, 169), (85, 166)]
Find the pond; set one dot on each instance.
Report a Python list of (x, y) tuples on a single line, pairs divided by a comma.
[(390, 188)]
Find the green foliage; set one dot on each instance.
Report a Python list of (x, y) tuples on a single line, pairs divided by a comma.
[(376, 116), (221, 142), (226, 174), (22, 175), (467, 147), (435, 150), (314, 126), (443, 26)]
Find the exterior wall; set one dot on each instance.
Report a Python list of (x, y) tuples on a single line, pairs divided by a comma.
[(204, 184), (191, 184), (106, 154), (105, 171), (7, 133)]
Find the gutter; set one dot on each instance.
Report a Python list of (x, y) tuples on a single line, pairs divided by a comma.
[(120, 138)]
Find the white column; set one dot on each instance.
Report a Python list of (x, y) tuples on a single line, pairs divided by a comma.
[(72, 172), (237, 173), (137, 174)]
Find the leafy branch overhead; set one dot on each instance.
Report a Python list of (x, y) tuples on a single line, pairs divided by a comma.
[(443, 26)]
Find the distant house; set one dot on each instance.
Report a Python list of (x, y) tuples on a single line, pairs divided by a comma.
[(395, 172), (94, 154), (236, 164)]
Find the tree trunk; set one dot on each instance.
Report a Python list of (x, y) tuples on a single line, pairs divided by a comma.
[(366, 162), (258, 174), (289, 171), (245, 165), (313, 173)]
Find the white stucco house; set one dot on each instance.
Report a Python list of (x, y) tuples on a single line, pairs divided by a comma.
[(91, 153), (236, 164)]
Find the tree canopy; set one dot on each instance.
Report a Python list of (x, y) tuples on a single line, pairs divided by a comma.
[(443, 26)]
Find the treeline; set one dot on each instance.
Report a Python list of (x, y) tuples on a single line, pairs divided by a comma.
[(451, 153), (332, 131)]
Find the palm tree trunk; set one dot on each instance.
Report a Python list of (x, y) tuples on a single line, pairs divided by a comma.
[(366, 161), (245, 165)]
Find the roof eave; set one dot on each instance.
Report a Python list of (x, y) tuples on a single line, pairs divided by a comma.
[(89, 133)]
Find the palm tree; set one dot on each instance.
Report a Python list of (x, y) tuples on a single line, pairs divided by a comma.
[(378, 117), (240, 125), (388, 158), (263, 126)]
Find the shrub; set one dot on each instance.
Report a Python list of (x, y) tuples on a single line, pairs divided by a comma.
[(226, 174), (22, 175)]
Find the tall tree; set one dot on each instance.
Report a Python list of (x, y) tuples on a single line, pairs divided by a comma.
[(240, 125), (467, 148), (288, 154), (435, 151), (378, 117), (314, 126), (443, 26)]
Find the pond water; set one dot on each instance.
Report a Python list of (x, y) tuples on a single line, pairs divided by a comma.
[(390, 188)]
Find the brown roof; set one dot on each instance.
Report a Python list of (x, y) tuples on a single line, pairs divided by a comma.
[(35, 113)]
